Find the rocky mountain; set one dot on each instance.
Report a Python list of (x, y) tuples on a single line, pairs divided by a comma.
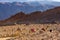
[(49, 16), (8, 9), (52, 15)]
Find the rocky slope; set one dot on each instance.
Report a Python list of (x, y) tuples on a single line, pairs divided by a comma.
[(49, 16)]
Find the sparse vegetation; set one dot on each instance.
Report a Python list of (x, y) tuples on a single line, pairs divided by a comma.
[(36, 31)]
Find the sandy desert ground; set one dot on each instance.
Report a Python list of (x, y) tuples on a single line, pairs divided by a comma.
[(30, 32)]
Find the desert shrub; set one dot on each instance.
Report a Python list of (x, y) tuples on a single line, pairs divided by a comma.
[(17, 33), (27, 23), (43, 29), (50, 30), (18, 29)]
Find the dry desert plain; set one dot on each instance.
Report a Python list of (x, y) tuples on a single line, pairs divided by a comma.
[(30, 32)]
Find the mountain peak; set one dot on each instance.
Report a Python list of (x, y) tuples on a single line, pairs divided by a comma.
[(26, 7)]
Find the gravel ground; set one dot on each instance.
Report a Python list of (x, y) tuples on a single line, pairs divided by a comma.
[(30, 32)]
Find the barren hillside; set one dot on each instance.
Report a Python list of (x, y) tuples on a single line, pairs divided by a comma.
[(49, 16)]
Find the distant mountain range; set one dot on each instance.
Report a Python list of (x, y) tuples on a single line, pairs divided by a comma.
[(8, 9), (48, 16)]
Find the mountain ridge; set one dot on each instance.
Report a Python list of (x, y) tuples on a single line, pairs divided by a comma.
[(9, 9), (49, 16)]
